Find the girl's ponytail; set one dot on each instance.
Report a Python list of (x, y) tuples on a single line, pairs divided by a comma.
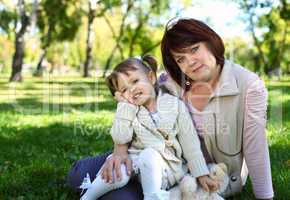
[(151, 62)]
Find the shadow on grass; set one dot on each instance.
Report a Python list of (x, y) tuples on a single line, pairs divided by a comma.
[(32, 106), (71, 89), (34, 161)]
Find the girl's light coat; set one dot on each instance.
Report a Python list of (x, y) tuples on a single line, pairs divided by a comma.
[(133, 124)]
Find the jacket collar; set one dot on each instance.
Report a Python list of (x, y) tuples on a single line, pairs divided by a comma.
[(227, 84), (167, 108)]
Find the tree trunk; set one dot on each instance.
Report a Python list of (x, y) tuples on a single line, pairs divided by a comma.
[(39, 67), (109, 60), (88, 62), (257, 43), (19, 45), (17, 60), (117, 38)]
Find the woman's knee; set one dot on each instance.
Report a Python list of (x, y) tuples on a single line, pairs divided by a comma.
[(80, 168), (131, 191)]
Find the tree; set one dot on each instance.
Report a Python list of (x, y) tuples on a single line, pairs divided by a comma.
[(58, 21), (118, 38), (269, 29), (134, 34), (15, 18), (96, 9)]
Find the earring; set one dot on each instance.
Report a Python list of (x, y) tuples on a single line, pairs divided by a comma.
[(187, 83)]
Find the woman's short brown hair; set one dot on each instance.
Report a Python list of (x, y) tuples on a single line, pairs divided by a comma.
[(147, 63), (182, 34)]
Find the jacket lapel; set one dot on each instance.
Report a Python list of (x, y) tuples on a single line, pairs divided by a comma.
[(227, 85), (145, 119), (167, 107)]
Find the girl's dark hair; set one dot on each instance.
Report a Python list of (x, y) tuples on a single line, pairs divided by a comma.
[(184, 33), (147, 63)]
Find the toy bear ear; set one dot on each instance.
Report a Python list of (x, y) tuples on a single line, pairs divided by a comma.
[(223, 167)]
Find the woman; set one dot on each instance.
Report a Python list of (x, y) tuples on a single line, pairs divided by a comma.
[(227, 104)]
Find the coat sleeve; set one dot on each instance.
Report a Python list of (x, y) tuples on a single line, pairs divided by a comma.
[(255, 145), (122, 129), (190, 143)]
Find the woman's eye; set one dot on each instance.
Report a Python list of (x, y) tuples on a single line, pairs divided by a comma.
[(180, 60), (124, 90), (194, 49), (135, 81)]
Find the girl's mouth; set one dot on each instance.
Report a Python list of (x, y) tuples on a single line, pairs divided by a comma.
[(137, 95)]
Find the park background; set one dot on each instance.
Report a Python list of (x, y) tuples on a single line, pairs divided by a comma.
[(54, 54)]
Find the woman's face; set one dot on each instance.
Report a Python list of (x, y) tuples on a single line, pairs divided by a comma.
[(197, 62)]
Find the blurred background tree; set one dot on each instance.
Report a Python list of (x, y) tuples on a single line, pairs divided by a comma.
[(15, 19), (88, 37), (268, 22)]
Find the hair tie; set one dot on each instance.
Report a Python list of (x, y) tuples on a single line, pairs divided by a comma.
[(143, 62), (138, 57)]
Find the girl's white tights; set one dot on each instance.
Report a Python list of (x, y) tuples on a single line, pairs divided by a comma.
[(99, 187), (150, 165)]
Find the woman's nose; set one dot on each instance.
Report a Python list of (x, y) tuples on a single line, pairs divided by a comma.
[(191, 59)]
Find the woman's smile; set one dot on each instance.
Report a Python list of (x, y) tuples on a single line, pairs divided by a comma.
[(198, 69)]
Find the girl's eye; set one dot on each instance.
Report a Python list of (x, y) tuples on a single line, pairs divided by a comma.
[(194, 49), (124, 90), (135, 81)]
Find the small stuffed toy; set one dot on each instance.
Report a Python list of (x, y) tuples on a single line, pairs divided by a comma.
[(191, 191)]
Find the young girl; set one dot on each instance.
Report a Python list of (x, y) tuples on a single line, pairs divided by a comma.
[(158, 129)]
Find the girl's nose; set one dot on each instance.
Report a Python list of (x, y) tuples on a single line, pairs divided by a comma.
[(131, 89)]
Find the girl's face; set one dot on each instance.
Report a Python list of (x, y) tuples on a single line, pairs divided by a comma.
[(137, 87), (197, 62)]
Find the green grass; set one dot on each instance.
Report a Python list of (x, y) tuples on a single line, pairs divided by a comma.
[(46, 124)]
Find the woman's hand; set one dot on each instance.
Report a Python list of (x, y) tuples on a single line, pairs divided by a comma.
[(113, 164), (208, 184)]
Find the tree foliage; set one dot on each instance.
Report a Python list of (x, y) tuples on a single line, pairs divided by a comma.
[(268, 24)]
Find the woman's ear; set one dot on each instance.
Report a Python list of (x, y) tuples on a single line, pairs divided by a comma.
[(152, 77)]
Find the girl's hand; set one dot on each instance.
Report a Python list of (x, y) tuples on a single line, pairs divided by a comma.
[(120, 98), (208, 184), (113, 163)]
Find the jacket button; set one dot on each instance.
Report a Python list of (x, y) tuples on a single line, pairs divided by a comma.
[(233, 178)]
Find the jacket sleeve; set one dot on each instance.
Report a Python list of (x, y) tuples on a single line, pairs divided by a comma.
[(255, 145), (122, 130), (190, 143)]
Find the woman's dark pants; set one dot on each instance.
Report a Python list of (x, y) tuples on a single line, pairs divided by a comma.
[(91, 165)]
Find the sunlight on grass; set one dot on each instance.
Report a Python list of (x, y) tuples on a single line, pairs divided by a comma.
[(47, 124)]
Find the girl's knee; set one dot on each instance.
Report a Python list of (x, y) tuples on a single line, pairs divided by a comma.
[(149, 158), (125, 178), (149, 154)]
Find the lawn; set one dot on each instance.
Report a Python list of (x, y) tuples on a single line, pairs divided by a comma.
[(48, 123)]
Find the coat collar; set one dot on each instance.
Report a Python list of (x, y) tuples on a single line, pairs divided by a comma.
[(227, 84), (167, 108)]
